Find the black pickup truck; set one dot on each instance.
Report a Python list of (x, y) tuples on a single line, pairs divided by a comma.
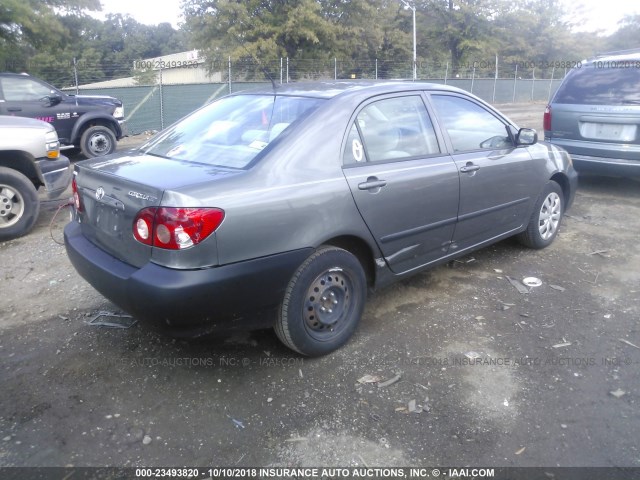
[(91, 123)]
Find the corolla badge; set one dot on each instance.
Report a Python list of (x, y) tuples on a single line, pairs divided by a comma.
[(141, 196), (99, 193)]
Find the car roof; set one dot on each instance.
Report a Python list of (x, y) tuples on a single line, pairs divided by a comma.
[(331, 89), (622, 55)]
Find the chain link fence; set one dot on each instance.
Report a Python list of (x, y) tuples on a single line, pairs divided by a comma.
[(157, 92)]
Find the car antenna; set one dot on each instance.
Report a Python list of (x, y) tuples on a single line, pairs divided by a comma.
[(262, 67)]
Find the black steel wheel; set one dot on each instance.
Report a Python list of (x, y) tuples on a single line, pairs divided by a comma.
[(323, 302)]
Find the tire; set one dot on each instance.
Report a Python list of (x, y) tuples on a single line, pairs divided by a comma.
[(97, 141), (546, 218), (323, 302), (19, 204)]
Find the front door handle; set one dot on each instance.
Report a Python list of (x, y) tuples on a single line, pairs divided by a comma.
[(371, 184), (470, 167), (14, 109)]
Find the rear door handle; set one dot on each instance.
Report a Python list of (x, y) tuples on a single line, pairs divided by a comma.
[(470, 167), (372, 183), (14, 109)]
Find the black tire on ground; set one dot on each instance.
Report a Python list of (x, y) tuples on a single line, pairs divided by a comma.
[(97, 141), (19, 204), (546, 218), (323, 302)]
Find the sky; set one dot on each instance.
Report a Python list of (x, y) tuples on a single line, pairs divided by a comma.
[(587, 15)]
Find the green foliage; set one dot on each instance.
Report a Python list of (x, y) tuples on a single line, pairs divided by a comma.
[(627, 36)]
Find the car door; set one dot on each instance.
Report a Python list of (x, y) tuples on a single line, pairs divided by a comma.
[(498, 182), (25, 96), (405, 188)]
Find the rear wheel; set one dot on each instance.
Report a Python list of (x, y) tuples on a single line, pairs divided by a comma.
[(19, 204), (97, 141), (323, 302), (545, 221)]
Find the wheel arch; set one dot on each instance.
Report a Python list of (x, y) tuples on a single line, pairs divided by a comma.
[(361, 250), (563, 181), (22, 162), (84, 123)]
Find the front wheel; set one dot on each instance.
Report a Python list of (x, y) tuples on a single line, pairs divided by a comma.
[(19, 204), (323, 302), (545, 221), (97, 141)]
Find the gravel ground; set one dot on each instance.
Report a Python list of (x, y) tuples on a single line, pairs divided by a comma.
[(554, 379)]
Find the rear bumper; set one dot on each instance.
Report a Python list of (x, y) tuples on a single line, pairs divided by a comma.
[(601, 158), (606, 166), (188, 303), (56, 175)]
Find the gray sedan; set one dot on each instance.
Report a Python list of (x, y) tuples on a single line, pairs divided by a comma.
[(285, 207)]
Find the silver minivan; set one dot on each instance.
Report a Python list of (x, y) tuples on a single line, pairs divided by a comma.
[(595, 115)]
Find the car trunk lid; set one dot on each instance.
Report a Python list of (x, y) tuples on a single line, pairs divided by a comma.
[(113, 191)]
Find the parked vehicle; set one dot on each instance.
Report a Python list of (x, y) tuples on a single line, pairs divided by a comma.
[(93, 124), (295, 202), (29, 158), (595, 115)]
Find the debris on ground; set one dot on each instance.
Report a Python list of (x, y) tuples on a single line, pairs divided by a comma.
[(618, 393), (521, 450), (518, 286), (472, 355), (563, 344), (146, 440), (112, 320), (600, 252), (369, 379), (237, 423), (558, 287), (531, 282), (629, 343), (389, 382), (296, 439), (413, 407)]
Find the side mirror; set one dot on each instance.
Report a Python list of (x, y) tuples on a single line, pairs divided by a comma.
[(526, 137), (51, 100)]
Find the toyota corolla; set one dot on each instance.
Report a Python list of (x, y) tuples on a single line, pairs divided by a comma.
[(285, 207)]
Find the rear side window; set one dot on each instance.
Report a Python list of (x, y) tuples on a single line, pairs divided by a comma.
[(391, 129), (591, 85)]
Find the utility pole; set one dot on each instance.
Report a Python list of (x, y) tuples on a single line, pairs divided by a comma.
[(415, 60)]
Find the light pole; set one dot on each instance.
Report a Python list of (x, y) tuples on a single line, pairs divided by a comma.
[(415, 60)]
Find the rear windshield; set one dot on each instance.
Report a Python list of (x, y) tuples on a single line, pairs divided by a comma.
[(597, 85), (231, 131)]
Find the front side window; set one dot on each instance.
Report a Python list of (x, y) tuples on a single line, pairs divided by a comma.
[(232, 131), (391, 129), (470, 127), (23, 89)]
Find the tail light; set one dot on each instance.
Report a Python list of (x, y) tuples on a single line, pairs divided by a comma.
[(546, 120), (76, 195), (175, 228)]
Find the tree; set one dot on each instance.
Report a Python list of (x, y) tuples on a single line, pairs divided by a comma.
[(627, 36), (30, 25)]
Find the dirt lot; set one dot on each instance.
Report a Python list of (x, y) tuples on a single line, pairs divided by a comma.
[(539, 392)]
